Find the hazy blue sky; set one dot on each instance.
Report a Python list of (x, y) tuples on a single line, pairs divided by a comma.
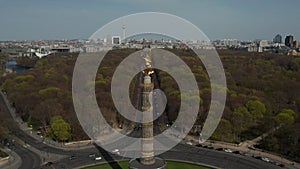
[(59, 19)]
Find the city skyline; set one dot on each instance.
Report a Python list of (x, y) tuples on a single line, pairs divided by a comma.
[(43, 20)]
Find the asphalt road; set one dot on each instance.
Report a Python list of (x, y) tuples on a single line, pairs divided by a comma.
[(29, 159), (215, 158), (180, 152)]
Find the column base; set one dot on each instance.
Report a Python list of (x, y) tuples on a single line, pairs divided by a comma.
[(136, 164)]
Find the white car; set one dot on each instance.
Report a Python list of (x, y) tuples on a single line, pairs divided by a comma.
[(98, 158), (92, 155), (265, 159), (189, 143), (116, 151), (227, 150), (251, 147)]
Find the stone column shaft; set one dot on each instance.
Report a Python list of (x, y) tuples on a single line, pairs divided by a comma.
[(147, 128)]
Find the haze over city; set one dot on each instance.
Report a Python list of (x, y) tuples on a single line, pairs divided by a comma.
[(61, 19)]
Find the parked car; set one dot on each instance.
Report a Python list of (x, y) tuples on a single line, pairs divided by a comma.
[(210, 147), (251, 147), (258, 157), (227, 150), (265, 159), (199, 145), (189, 143), (220, 149)]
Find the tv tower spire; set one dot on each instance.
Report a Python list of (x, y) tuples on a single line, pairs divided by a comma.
[(124, 32)]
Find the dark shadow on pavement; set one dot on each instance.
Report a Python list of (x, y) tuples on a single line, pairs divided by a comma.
[(113, 164)]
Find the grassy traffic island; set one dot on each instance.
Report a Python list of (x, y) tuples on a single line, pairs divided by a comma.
[(3, 154), (170, 165)]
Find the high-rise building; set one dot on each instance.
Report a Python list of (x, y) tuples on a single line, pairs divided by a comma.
[(277, 39), (116, 40), (289, 41)]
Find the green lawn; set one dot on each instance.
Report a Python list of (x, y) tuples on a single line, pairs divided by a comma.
[(170, 165), (3, 154)]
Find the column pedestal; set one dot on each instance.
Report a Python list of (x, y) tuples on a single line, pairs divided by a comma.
[(137, 164)]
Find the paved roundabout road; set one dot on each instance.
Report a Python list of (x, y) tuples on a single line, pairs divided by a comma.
[(180, 152)]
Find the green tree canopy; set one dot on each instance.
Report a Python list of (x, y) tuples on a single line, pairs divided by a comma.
[(60, 128), (256, 108), (286, 116), (223, 131), (241, 118)]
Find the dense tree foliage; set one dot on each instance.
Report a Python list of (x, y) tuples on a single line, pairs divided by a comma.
[(262, 93), (6, 125), (284, 141), (43, 92), (26, 61), (286, 117), (59, 129), (3, 59)]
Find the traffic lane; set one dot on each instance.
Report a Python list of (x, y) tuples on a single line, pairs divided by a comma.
[(27, 138), (211, 157), (30, 159), (179, 152), (84, 159), (197, 155), (42, 146), (216, 158)]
